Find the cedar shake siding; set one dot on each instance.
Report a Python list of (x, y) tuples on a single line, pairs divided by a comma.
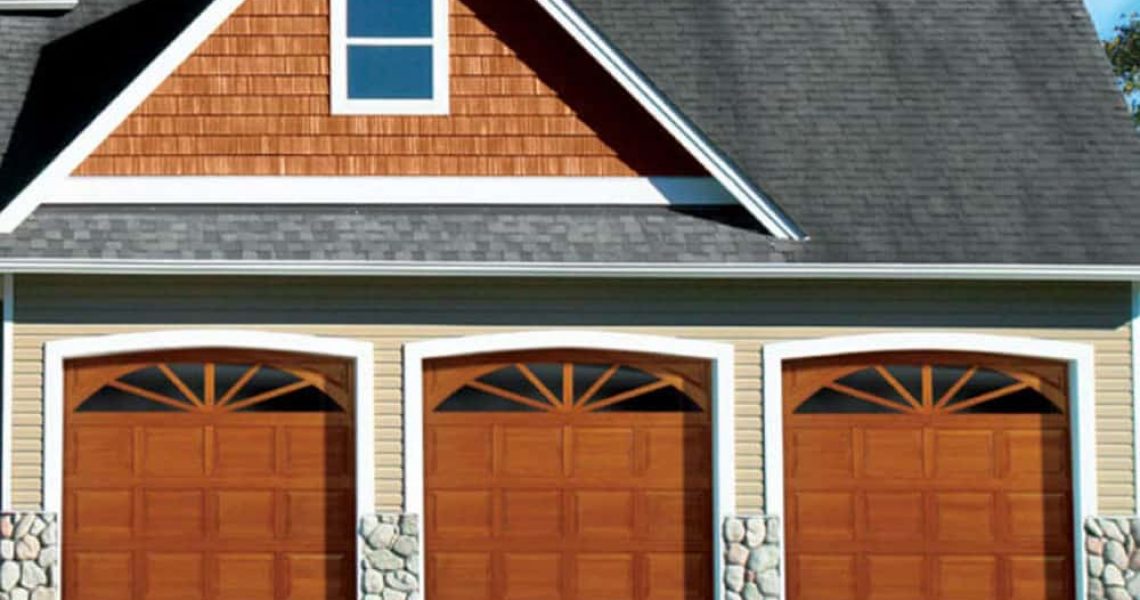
[(526, 99)]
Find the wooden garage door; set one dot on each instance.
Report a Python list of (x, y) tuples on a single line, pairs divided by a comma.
[(922, 475), (568, 475), (208, 475)]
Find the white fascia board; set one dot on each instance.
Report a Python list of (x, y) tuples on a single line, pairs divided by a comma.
[(391, 190), (671, 118), (837, 271), (37, 5)]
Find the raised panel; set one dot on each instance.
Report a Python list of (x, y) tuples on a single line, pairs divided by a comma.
[(678, 575), (244, 450), (604, 515), (677, 456), (529, 576), (893, 453), (245, 514), (1037, 453), (965, 453), (317, 575), (825, 576), (1037, 517), (1039, 578), (967, 578), (678, 517), (460, 451), (821, 453), (604, 576), (104, 575), (319, 516), (174, 451), (321, 451), (173, 513), (102, 513), (965, 517), (895, 577), (532, 513), (244, 576), (605, 453), (895, 516), (102, 451), (460, 576), (530, 452), (461, 513), (173, 576), (825, 516)]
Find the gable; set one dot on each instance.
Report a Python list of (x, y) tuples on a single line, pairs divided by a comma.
[(526, 100)]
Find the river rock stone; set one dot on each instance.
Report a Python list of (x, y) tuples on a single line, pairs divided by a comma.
[(373, 582), (755, 531), (50, 534), (406, 546), (7, 549), (18, 594), (1096, 590), (371, 597), (43, 594), (383, 559), (31, 575), (770, 582), (1114, 553), (733, 531), (734, 578), (6, 527), (368, 524), (1112, 576), (382, 536), (28, 548), (764, 558), (400, 581), (410, 524), (38, 525), (751, 592), (47, 557), (731, 596), (1095, 545), (1096, 566), (1111, 531), (9, 575), (23, 526), (1133, 587), (737, 554), (394, 595), (773, 533), (1116, 593)]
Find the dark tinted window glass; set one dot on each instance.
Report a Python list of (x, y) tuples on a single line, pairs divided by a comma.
[(585, 376), (389, 18), (910, 376), (666, 399), (469, 399), (390, 72), (624, 380), (982, 381), (869, 380), (944, 378), (829, 401), (152, 379), (306, 399), (225, 376), (191, 374), (550, 374), (512, 380), (109, 399), (1022, 402), (266, 379)]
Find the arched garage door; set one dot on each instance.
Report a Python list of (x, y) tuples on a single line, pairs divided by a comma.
[(927, 475), (208, 475), (567, 475)]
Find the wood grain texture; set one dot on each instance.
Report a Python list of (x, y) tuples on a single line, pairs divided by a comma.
[(253, 99)]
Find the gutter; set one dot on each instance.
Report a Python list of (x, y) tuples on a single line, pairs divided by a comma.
[(897, 271)]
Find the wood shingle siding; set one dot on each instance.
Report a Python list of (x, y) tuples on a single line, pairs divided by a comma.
[(389, 313), (253, 99)]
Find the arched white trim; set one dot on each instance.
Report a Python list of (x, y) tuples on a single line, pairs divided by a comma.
[(721, 356), (56, 352), (1079, 357)]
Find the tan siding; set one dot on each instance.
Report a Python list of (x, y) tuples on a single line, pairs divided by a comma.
[(390, 313)]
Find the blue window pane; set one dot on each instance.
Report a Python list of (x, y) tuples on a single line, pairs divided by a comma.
[(390, 72), (389, 18)]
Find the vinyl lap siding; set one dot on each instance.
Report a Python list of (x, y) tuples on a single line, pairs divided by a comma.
[(390, 313)]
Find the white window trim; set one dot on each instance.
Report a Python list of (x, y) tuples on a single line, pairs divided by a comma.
[(339, 41), (721, 356), (1079, 357), (37, 5), (6, 346), (58, 351)]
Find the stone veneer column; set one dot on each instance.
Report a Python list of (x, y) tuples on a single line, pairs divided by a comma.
[(29, 556), (1113, 558), (389, 566), (752, 558)]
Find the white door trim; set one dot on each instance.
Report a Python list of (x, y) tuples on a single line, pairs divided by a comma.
[(1081, 397), (56, 352), (721, 356)]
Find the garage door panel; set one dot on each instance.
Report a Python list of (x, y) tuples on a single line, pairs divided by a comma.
[(1037, 517), (311, 575), (530, 576), (320, 451), (244, 450), (604, 515), (680, 517), (1039, 578), (605, 576), (825, 576), (460, 453), (1037, 454), (173, 513), (836, 445), (677, 455), (105, 575), (967, 578), (530, 452), (244, 576), (462, 513), (893, 453), (174, 451), (101, 514), (173, 576), (894, 516), (102, 451), (896, 577), (678, 575), (603, 453), (964, 517), (965, 454), (460, 576), (245, 514), (318, 516), (531, 513), (825, 516)]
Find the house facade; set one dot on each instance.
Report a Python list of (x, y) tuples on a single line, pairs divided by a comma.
[(531, 299)]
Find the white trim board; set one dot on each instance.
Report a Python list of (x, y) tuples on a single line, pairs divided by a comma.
[(721, 356), (42, 186), (37, 5), (6, 347), (58, 351), (391, 190), (1082, 401)]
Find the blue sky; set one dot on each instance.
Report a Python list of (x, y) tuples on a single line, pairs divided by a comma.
[(1106, 13)]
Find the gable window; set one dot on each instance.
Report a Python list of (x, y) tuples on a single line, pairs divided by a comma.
[(389, 57)]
